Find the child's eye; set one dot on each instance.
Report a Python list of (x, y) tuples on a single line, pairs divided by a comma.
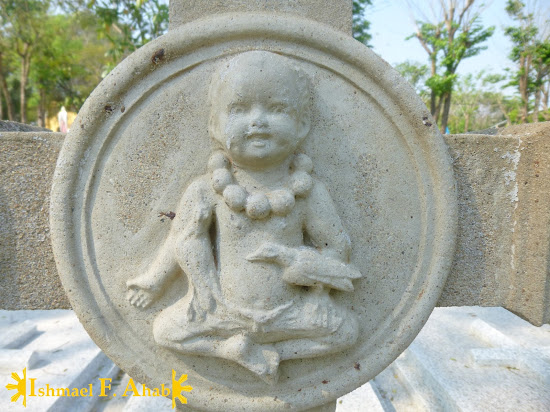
[(279, 108), (237, 109)]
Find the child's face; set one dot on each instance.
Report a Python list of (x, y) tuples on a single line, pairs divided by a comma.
[(259, 120)]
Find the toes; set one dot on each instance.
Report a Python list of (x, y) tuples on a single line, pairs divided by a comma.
[(131, 296)]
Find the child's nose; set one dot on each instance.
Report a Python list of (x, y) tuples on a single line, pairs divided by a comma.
[(257, 118)]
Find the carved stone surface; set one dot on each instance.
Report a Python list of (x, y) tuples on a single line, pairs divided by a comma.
[(259, 203), (28, 275), (335, 13)]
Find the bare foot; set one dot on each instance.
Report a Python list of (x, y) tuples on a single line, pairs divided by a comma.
[(262, 360)]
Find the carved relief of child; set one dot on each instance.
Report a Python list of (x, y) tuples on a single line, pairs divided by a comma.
[(257, 237)]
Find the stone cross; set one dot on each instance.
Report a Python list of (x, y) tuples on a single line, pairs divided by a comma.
[(316, 239), (255, 201), (335, 13)]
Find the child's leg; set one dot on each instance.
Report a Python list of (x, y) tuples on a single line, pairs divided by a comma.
[(308, 347), (214, 337), (312, 329)]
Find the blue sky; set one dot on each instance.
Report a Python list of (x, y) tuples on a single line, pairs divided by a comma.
[(391, 23)]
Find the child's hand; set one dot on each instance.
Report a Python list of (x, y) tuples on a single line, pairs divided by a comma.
[(140, 294), (140, 298)]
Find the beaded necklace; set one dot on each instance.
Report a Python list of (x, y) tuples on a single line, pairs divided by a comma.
[(259, 205)]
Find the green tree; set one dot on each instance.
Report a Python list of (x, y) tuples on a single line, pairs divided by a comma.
[(129, 24), (541, 66), (479, 102), (6, 63), (416, 74), (523, 37), (21, 25), (62, 71), (361, 25), (508, 105), (466, 104), (531, 53), (457, 35)]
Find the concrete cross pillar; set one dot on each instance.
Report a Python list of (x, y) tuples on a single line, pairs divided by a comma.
[(335, 13)]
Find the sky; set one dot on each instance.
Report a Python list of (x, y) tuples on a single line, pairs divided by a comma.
[(391, 45)]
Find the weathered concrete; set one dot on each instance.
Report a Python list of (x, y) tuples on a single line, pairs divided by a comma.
[(482, 169), (471, 359), (503, 253), (334, 13), (60, 353), (28, 276), (7, 126), (488, 170), (529, 285), (252, 113), (465, 359)]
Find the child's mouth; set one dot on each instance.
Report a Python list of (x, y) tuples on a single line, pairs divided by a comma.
[(258, 139)]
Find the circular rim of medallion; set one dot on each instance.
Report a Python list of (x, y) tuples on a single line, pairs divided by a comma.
[(98, 118)]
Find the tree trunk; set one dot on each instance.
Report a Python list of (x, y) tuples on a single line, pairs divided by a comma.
[(446, 110), (438, 109), (466, 122), (25, 67), (7, 98), (6, 93), (539, 84), (42, 109), (22, 90), (504, 111), (434, 107), (545, 96), (433, 97), (525, 66), (537, 103)]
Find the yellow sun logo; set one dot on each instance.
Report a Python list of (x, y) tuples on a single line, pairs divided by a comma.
[(177, 389), (21, 387)]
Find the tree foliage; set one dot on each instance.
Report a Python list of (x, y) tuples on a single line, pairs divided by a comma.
[(54, 52), (457, 34), (479, 103), (416, 74), (129, 24), (46, 59), (531, 53), (361, 25), (23, 34)]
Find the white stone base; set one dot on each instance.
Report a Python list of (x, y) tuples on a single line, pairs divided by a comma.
[(465, 359)]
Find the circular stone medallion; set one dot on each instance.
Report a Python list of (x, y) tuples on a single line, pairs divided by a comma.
[(258, 202)]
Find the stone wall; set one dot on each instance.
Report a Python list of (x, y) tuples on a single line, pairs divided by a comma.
[(28, 276), (503, 253), (529, 283), (484, 166)]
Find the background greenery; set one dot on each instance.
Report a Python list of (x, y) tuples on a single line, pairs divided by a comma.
[(55, 52)]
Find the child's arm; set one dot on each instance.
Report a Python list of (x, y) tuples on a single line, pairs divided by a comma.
[(327, 234), (325, 265), (145, 288), (193, 247), (323, 225), (188, 226)]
